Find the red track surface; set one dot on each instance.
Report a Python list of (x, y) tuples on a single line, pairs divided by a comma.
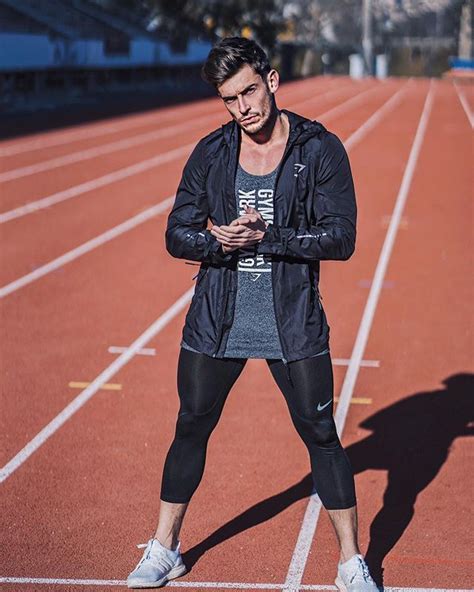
[(78, 505)]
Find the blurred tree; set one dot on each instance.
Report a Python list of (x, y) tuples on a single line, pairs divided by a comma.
[(324, 22), (260, 19)]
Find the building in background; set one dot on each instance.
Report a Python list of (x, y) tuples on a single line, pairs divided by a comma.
[(72, 47)]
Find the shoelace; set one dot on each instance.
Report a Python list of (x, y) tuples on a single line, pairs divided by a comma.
[(364, 576), (161, 560), (145, 554)]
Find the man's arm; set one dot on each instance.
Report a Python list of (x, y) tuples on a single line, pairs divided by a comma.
[(186, 235), (333, 235)]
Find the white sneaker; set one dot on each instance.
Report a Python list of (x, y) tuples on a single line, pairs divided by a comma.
[(157, 566), (353, 576)]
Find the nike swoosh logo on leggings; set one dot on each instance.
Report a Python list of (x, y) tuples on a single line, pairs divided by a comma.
[(321, 407)]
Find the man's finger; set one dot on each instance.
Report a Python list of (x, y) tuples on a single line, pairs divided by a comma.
[(229, 230), (234, 231), (222, 235), (235, 241), (249, 219), (253, 211)]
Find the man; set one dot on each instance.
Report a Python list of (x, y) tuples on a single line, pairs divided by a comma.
[(278, 191)]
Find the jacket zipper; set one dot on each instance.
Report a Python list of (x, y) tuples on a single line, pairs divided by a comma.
[(224, 308)]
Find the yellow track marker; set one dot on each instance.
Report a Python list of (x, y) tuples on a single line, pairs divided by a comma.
[(358, 400), (104, 387)]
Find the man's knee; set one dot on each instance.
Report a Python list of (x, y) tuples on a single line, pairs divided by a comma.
[(195, 426), (318, 431)]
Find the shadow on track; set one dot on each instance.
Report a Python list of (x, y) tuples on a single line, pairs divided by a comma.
[(410, 439), (257, 514)]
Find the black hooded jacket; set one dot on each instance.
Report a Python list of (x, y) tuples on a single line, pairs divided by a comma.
[(314, 220)]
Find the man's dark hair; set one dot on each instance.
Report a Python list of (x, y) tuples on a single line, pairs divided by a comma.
[(227, 57)]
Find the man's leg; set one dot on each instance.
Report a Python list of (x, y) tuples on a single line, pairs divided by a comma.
[(203, 386), (169, 523), (309, 396), (345, 525)]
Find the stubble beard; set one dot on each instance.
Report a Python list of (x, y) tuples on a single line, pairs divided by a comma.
[(264, 120)]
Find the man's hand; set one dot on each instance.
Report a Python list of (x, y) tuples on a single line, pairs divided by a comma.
[(242, 232)]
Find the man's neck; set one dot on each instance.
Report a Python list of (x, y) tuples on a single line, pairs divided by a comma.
[(276, 130)]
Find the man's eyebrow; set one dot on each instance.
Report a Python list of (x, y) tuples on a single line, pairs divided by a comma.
[(241, 92)]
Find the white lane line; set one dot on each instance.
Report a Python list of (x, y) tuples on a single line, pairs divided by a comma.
[(95, 130), (145, 351), (306, 535), (113, 177), (465, 105), (335, 91), (389, 589), (87, 186), (364, 363), (382, 264), (85, 133), (159, 208), (87, 246), (349, 103), (95, 386), (376, 117), (176, 584), (218, 585), (108, 148)]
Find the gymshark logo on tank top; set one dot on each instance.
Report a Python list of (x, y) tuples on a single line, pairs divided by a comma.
[(261, 200)]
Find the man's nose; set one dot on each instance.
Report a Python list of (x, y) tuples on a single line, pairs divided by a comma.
[(243, 105)]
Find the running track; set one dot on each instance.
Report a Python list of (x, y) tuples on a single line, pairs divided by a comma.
[(84, 268)]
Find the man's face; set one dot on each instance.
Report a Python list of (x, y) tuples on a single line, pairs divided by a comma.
[(248, 98)]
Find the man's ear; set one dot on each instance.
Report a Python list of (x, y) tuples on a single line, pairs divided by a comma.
[(273, 80)]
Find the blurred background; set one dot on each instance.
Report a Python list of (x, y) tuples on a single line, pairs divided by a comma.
[(86, 59)]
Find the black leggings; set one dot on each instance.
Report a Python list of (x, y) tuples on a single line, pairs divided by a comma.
[(203, 386)]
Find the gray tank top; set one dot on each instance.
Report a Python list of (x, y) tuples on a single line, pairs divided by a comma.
[(254, 332)]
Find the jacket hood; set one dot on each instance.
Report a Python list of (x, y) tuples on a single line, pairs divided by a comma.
[(301, 129)]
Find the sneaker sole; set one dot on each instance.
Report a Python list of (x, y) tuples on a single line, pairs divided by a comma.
[(176, 572), (340, 584)]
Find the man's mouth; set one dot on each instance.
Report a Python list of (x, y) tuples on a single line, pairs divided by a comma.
[(248, 119)]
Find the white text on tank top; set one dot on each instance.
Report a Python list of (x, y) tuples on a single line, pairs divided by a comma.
[(261, 200)]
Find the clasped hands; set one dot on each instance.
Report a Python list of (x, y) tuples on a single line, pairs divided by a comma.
[(244, 231)]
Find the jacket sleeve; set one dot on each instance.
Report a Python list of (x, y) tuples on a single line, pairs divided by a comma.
[(334, 209), (186, 234)]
